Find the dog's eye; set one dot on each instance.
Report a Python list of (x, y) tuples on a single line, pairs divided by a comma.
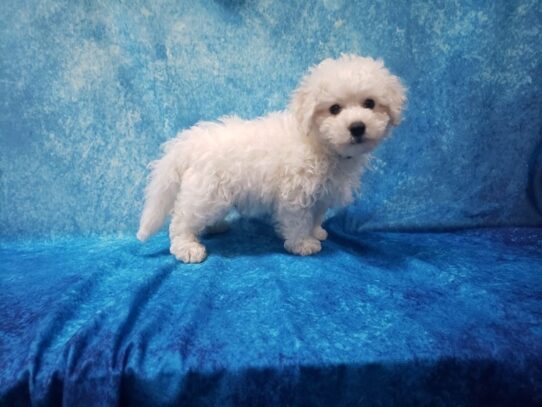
[(369, 104), (335, 109)]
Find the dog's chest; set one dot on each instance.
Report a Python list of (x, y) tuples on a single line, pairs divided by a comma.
[(338, 187)]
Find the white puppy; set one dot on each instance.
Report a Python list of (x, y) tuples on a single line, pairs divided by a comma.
[(293, 165)]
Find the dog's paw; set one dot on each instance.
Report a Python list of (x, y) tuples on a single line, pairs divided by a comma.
[(319, 233), (188, 251), (303, 247)]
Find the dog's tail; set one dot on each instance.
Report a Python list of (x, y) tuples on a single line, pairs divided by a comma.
[(161, 191)]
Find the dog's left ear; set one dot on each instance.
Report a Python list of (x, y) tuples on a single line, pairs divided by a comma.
[(302, 105), (395, 99)]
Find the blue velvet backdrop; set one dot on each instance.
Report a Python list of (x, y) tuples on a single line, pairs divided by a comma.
[(89, 90)]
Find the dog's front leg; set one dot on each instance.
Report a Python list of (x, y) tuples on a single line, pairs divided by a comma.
[(319, 214), (296, 226)]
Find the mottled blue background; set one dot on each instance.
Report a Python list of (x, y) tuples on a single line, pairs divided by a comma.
[(89, 90)]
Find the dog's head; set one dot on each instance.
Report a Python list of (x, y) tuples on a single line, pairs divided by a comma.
[(349, 104)]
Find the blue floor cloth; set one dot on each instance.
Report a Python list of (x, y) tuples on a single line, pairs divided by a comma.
[(404, 318)]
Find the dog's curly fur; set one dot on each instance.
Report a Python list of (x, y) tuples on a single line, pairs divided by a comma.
[(293, 164)]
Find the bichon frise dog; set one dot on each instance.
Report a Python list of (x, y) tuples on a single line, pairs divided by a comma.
[(292, 165)]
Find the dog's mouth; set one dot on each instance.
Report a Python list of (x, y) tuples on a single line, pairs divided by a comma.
[(353, 149), (366, 142)]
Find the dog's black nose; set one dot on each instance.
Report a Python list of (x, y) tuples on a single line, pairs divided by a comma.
[(357, 130)]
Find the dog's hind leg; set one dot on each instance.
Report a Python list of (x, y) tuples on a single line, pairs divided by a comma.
[(187, 248), (196, 207)]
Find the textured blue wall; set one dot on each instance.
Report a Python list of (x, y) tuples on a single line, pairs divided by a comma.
[(89, 90)]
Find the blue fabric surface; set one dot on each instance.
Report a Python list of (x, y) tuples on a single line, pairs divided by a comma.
[(89, 90), (409, 318)]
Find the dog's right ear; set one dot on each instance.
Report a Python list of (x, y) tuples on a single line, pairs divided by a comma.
[(395, 99), (302, 105)]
